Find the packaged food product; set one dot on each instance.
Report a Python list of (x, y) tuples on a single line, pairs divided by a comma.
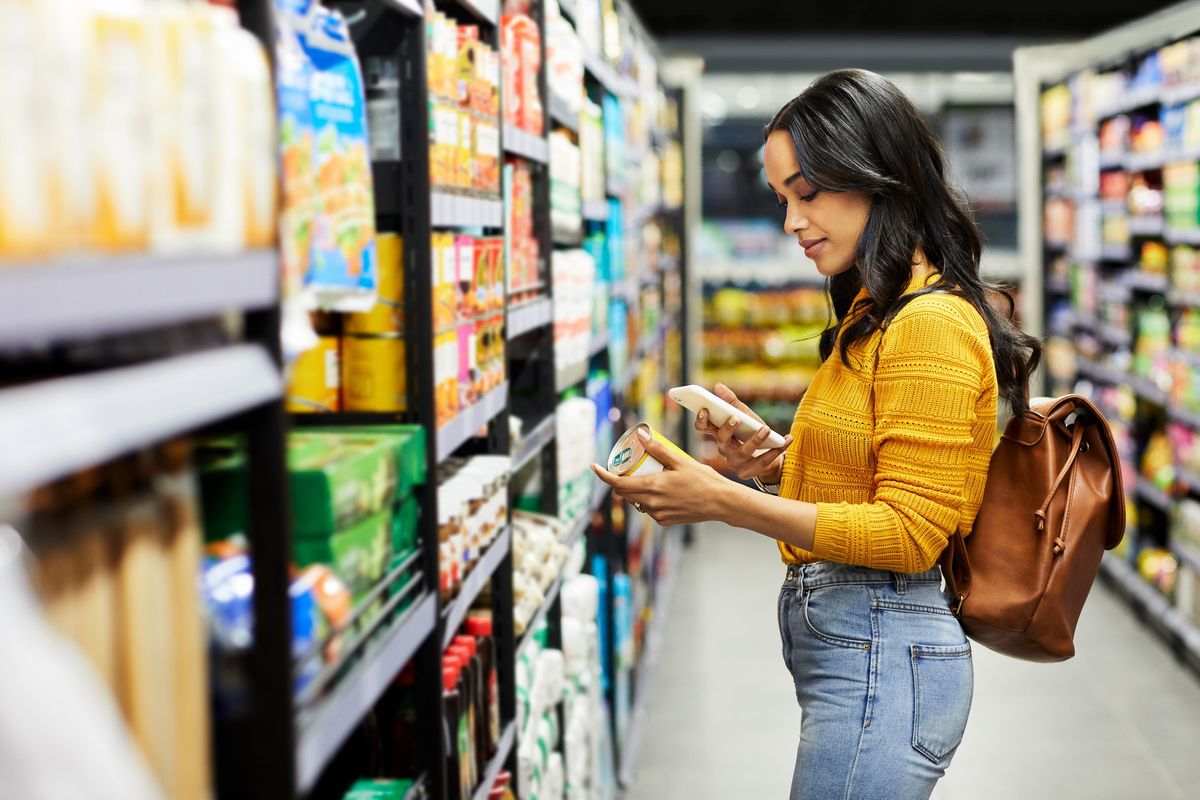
[(387, 315), (358, 554), (299, 180), (342, 272), (315, 384), (118, 108), (375, 373), (629, 456)]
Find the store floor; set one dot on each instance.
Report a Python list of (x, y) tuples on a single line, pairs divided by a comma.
[(1119, 721)]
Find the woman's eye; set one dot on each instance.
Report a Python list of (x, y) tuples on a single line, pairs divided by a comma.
[(808, 198)]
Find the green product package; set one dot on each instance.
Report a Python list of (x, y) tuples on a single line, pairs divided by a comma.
[(359, 554), (335, 481), (379, 789), (404, 526), (408, 447)]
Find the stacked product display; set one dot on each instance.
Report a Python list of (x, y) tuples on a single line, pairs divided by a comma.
[(353, 400), (1121, 190)]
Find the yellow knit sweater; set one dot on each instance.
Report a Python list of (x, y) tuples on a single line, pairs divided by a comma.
[(895, 453)]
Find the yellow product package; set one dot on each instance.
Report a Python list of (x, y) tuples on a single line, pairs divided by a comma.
[(375, 372)]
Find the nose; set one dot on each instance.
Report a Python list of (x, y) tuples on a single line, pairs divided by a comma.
[(795, 221)]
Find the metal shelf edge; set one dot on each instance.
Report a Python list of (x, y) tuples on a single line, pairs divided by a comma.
[(450, 210), (520, 142), (541, 435), (456, 612), (55, 427), (503, 749), (323, 733), (529, 316), (457, 431), (86, 296)]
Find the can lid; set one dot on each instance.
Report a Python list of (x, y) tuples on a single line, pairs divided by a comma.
[(468, 642), (628, 453), (479, 626), (449, 678)]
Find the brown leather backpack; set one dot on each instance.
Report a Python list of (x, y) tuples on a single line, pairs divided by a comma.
[(1053, 504)]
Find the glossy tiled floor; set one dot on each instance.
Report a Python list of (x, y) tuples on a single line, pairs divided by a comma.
[(1120, 721)]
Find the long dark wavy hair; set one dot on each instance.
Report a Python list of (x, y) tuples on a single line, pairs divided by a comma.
[(855, 131)]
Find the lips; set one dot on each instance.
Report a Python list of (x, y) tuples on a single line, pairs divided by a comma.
[(812, 246)]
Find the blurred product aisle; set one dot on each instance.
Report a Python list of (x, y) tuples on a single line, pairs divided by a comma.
[(1118, 721)]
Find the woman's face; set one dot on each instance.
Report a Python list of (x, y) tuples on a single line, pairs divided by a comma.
[(826, 224)]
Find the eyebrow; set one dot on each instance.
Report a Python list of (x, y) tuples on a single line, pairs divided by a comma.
[(788, 181)]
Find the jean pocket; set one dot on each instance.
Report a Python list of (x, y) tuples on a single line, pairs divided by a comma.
[(943, 684), (786, 595), (839, 616)]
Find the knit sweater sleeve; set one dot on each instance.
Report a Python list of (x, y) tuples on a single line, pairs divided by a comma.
[(930, 375)]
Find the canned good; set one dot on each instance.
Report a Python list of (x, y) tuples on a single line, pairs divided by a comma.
[(629, 456), (374, 373), (315, 386), (387, 315)]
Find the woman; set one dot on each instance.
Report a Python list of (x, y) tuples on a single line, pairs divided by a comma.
[(889, 450)]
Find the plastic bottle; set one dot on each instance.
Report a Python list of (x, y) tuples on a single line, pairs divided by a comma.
[(481, 628), (462, 734), (479, 702)]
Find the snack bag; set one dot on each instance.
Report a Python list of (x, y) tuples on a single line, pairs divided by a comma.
[(342, 272)]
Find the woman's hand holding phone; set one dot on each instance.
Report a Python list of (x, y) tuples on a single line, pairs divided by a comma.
[(767, 466)]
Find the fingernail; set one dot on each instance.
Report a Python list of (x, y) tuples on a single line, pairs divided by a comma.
[(643, 434), (762, 434), (733, 423)]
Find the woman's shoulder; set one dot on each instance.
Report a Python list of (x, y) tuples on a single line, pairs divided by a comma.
[(942, 308)]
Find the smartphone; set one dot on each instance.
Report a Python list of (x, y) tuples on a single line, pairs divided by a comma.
[(694, 398)]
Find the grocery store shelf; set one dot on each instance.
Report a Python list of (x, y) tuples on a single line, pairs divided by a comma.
[(1146, 226), (1141, 162), (1112, 159), (1184, 417), (449, 210), (1174, 95), (1188, 554), (1146, 282), (55, 427), (484, 10), (1132, 100), (542, 434), (561, 113), (1153, 495), (632, 368), (454, 614), (1182, 235), (507, 739), (599, 343), (1116, 252), (1100, 372), (614, 83), (1184, 298), (1145, 389), (454, 433), (595, 210), (1173, 624), (321, 732), (529, 317), (530, 146), (1054, 150), (93, 296), (567, 377), (1056, 246)]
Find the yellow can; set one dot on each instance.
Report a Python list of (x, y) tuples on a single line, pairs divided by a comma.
[(387, 315), (375, 373), (629, 456), (315, 385)]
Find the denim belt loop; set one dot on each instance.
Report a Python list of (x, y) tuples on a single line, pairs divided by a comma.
[(901, 583), (793, 573)]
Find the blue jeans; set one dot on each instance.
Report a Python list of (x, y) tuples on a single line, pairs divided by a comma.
[(884, 678)]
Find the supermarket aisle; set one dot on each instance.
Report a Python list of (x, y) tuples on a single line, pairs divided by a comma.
[(1119, 721)]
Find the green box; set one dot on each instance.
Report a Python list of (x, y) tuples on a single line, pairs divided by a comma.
[(408, 443), (359, 554), (379, 789), (337, 481), (405, 530)]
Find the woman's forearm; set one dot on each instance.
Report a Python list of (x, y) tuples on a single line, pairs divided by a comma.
[(789, 521)]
